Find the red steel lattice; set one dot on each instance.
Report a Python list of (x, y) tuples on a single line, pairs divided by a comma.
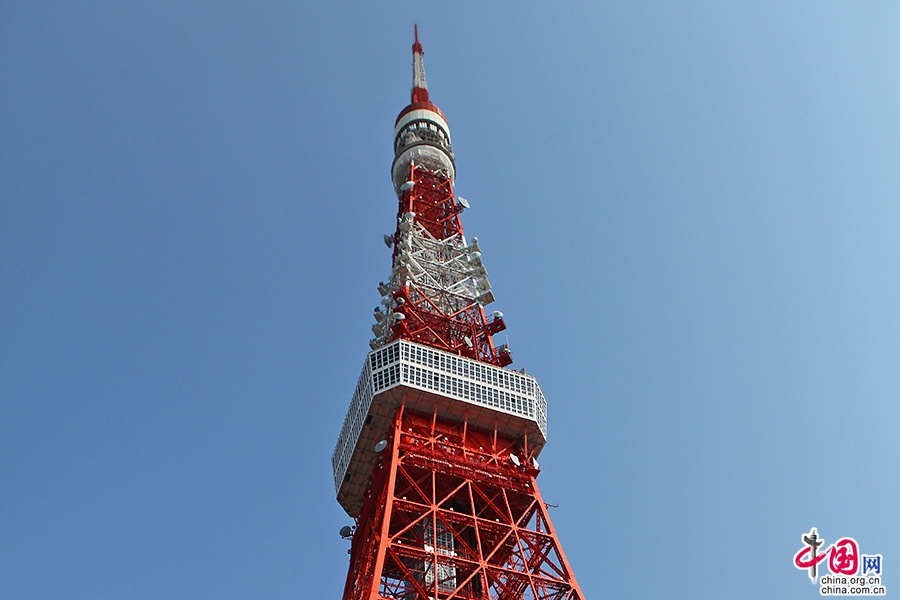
[(450, 515), (435, 318), (449, 511)]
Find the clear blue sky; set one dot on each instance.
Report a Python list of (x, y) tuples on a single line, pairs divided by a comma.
[(691, 217)]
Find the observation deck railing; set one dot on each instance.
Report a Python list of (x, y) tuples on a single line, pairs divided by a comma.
[(404, 363)]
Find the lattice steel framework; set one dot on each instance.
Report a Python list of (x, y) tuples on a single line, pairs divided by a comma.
[(438, 286), (437, 458), (450, 514)]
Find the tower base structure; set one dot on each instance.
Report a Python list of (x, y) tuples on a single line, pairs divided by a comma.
[(454, 512)]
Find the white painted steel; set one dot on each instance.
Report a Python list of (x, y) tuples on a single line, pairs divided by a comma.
[(450, 273), (432, 157), (419, 72), (420, 367), (419, 114)]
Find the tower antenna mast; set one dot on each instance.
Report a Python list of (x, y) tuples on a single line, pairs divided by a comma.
[(437, 458)]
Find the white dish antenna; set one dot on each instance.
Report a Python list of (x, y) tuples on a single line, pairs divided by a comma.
[(388, 240), (463, 202), (515, 460), (407, 186), (380, 445)]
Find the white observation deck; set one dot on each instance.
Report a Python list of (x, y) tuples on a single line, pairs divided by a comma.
[(458, 388)]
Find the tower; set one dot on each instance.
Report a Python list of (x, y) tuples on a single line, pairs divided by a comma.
[(437, 457)]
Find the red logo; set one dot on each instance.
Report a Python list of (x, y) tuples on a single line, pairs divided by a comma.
[(843, 555)]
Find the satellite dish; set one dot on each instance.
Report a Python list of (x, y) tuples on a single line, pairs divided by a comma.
[(380, 445), (535, 463), (399, 316), (475, 255), (346, 531), (410, 215), (463, 202), (388, 240), (401, 301), (514, 459), (468, 341), (407, 186), (497, 314)]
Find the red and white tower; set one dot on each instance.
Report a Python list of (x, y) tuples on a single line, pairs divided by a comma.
[(437, 457)]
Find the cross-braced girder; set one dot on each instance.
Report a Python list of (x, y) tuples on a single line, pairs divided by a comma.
[(438, 286), (437, 457), (450, 515)]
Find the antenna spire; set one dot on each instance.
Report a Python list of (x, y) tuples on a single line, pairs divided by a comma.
[(419, 86)]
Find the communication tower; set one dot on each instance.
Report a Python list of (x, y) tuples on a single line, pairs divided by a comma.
[(437, 457)]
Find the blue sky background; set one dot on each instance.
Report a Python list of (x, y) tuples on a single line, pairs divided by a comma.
[(691, 217)]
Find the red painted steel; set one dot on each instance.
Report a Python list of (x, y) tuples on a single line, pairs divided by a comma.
[(450, 511), (418, 94), (464, 328), (450, 515)]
